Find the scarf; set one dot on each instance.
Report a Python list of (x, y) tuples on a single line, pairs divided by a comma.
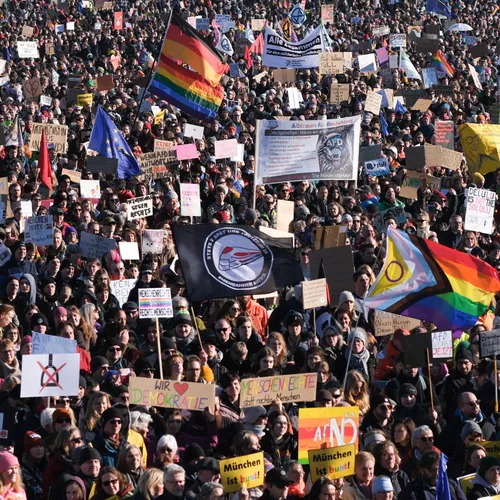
[(359, 361), (482, 482)]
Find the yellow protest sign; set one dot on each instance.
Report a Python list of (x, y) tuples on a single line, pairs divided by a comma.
[(481, 146), (248, 470), (84, 99), (332, 462), (160, 117), (466, 482), (492, 448)]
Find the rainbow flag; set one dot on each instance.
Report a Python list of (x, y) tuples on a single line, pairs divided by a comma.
[(428, 281), (184, 43), (186, 90), (441, 64)]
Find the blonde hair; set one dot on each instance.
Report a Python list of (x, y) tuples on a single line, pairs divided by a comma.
[(362, 457), (17, 485), (121, 460), (63, 439), (91, 416), (282, 358), (362, 400), (151, 479)]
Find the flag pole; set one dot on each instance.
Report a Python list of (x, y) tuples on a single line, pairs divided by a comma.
[(496, 385), (150, 73), (430, 380)]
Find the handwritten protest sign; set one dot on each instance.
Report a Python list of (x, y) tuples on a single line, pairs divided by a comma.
[(56, 135), (194, 131), (492, 448), (90, 189), (288, 388), (226, 149), (314, 293), (397, 40), (373, 103), (84, 100), (339, 92), (50, 344), (129, 250), (161, 145), (46, 375), (170, 394), (27, 50), (155, 303), (139, 207), (442, 344), (332, 462), (190, 200), (92, 245), (331, 63), (489, 343), (152, 241), (327, 427), (248, 470), (39, 230), (121, 289), (186, 152), (150, 161), (480, 210), (387, 323)]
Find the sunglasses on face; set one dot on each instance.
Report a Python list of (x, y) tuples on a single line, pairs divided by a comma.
[(114, 349), (63, 421), (108, 483), (76, 440), (427, 439)]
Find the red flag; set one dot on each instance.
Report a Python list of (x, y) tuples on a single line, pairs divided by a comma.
[(44, 162), (248, 57), (118, 20), (258, 46)]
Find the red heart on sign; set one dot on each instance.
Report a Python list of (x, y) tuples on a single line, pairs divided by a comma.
[(181, 388)]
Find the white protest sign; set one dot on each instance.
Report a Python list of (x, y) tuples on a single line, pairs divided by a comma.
[(194, 131), (139, 207), (26, 50), (376, 168), (50, 344), (39, 230), (155, 303), (314, 293), (480, 210), (397, 40), (190, 200), (442, 344), (367, 63), (152, 241), (46, 375), (92, 245), (121, 289), (26, 208), (129, 250), (293, 97), (90, 188), (5, 254), (489, 343), (226, 149), (240, 157), (45, 100)]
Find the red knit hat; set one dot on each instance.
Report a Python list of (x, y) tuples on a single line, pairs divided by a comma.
[(32, 439)]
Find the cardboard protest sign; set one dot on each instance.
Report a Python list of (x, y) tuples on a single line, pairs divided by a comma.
[(50, 344), (155, 164), (170, 394), (105, 82), (257, 24), (121, 289), (327, 428), (480, 210), (139, 207), (284, 75), (422, 105), (226, 149), (489, 343), (50, 49), (74, 176), (161, 145), (28, 50), (415, 180), (100, 164), (27, 31), (442, 344), (377, 168), (129, 250), (263, 391), (314, 294), (50, 375), (92, 245), (285, 215), (194, 131), (332, 462), (373, 103), (190, 200), (55, 134), (152, 241), (247, 469), (387, 323), (330, 236), (4, 185), (39, 230), (155, 303), (331, 63), (327, 13), (339, 92), (32, 89)]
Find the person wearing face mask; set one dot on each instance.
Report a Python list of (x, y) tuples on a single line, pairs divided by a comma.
[(33, 464), (255, 420)]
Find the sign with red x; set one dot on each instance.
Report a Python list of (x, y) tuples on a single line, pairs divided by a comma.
[(50, 375)]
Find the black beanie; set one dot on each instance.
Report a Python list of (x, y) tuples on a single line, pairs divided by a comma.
[(110, 414), (463, 353), (486, 463), (89, 453), (193, 451)]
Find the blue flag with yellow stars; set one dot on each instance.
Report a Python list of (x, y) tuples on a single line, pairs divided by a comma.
[(109, 142)]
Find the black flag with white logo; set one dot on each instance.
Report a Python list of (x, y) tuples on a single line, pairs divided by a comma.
[(227, 260)]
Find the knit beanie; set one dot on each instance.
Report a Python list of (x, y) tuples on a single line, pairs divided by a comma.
[(469, 428), (485, 464), (89, 453), (110, 414), (32, 439), (357, 333), (7, 460), (60, 413), (463, 354), (381, 484)]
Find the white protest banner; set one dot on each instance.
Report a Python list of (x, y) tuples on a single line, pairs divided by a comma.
[(442, 344), (278, 53), (397, 40), (293, 151), (139, 207), (367, 63), (489, 343), (121, 289), (129, 250), (314, 294), (50, 344), (90, 189), (92, 245), (39, 230), (155, 303), (376, 168), (27, 50), (46, 375), (152, 241), (194, 131), (190, 200), (56, 135), (480, 210), (226, 149), (5, 254)]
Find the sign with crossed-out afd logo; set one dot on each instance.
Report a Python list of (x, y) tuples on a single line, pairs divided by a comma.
[(46, 375)]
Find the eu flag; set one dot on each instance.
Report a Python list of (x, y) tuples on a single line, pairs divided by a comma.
[(443, 486), (400, 108), (383, 124), (108, 141), (439, 7)]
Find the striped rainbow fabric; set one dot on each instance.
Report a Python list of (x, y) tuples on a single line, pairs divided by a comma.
[(428, 281), (441, 64)]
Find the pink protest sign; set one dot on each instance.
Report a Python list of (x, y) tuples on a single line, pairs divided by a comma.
[(186, 152)]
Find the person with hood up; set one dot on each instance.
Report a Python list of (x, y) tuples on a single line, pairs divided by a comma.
[(255, 420), (487, 480), (74, 489), (214, 355)]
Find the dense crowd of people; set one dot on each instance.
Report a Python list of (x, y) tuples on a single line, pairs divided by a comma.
[(98, 445)]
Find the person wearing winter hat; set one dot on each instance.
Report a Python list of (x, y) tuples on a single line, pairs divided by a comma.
[(99, 365), (39, 323), (90, 465), (380, 414), (33, 464), (11, 482), (382, 488), (487, 480), (357, 356), (185, 334), (255, 420), (113, 350), (108, 439)]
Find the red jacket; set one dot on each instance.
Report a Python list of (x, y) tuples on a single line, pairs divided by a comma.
[(259, 317)]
